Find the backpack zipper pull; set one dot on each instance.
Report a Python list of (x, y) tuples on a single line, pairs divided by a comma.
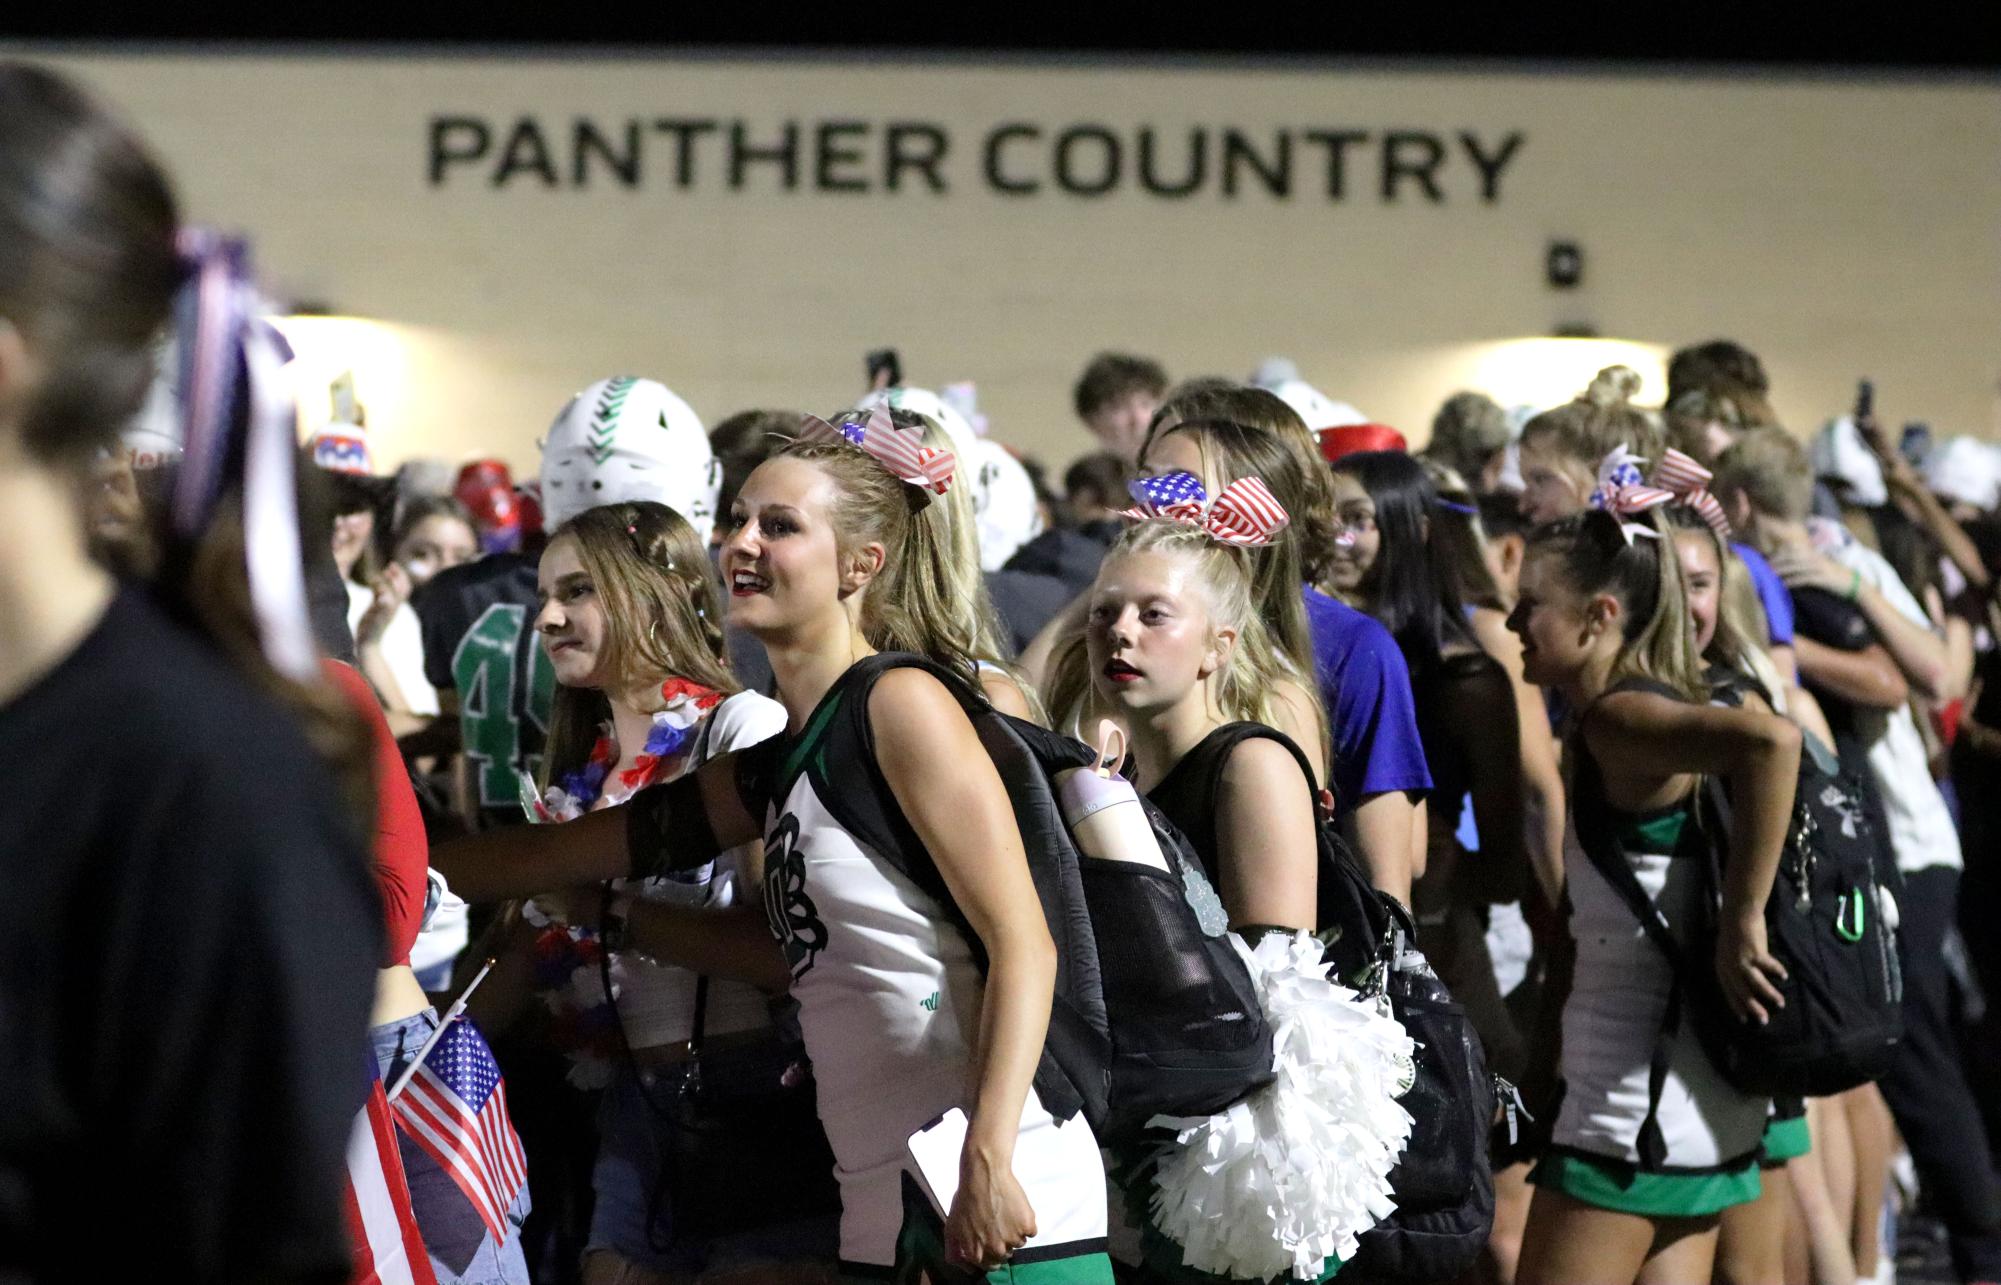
[(1512, 1106)]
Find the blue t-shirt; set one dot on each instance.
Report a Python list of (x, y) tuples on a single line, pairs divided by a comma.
[(1366, 687), (1772, 593)]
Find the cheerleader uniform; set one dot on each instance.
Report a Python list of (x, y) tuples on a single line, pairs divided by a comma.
[(1612, 1022), (889, 995)]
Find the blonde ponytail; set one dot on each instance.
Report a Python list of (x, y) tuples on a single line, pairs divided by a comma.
[(930, 597), (1601, 419)]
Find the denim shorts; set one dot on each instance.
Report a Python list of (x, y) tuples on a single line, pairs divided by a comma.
[(462, 1250), (633, 1214)]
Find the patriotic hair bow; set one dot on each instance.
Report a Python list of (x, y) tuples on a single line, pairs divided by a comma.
[(1689, 482), (900, 450), (239, 423), (1623, 492), (1245, 514)]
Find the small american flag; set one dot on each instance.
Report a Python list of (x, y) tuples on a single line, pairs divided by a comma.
[(455, 1107), (388, 1249)]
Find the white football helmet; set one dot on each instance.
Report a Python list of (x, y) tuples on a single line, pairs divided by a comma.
[(1280, 377), (629, 439), (924, 402), (1964, 470), (1003, 502), (1839, 454)]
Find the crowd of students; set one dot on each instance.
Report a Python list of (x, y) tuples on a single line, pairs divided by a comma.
[(676, 773)]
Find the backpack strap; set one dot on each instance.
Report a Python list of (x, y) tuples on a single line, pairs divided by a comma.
[(1072, 1072), (1598, 835), (1344, 896)]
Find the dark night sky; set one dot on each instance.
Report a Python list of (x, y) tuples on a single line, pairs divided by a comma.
[(1880, 37)]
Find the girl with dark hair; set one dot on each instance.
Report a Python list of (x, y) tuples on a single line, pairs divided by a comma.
[(879, 771), (432, 534), (1564, 449), (1639, 1170), (192, 945), (1466, 719)]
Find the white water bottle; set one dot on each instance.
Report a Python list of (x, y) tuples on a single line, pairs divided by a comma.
[(1103, 810)]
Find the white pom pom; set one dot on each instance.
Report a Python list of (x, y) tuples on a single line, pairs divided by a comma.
[(1293, 1174)]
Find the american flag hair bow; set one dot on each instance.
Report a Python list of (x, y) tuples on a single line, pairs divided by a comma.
[(900, 450), (1689, 482), (1623, 492), (1245, 514)]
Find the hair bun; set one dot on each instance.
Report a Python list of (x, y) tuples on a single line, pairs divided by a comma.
[(1613, 389)]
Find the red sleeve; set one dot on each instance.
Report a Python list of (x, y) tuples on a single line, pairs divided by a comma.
[(402, 849)]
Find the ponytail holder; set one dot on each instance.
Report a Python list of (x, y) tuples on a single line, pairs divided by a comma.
[(1689, 483), (234, 406), (1623, 492), (900, 450), (1453, 506), (1245, 514)]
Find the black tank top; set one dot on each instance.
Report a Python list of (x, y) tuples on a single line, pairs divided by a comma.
[(1187, 794)]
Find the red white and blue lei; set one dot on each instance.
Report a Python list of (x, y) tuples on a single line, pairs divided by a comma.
[(568, 959)]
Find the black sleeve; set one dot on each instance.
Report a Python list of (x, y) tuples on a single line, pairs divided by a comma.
[(667, 828), (233, 1012), (1830, 620), (440, 623)]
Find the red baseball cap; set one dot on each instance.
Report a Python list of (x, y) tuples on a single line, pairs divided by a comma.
[(1350, 438)]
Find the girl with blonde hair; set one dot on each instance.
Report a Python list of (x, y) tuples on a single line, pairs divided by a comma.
[(631, 620), (1347, 682), (939, 605), (879, 770), (1176, 647)]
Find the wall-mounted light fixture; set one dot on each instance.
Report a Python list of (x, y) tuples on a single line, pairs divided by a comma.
[(326, 345)]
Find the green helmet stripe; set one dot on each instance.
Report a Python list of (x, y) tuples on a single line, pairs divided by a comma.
[(604, 416)]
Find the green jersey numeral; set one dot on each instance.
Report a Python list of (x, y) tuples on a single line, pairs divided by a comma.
[(486, 669)]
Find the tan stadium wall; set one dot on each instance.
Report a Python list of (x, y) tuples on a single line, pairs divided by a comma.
[(1840, 227)]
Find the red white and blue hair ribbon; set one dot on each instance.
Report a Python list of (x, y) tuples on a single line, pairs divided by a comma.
[(1689, 482), (900, 450), (1622, 491), (1245, 513), (238, 413)]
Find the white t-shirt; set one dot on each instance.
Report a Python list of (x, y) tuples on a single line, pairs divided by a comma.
[(657, 1003), (402, 647), (1921, 829)]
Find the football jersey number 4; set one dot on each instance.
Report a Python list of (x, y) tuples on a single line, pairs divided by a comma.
[(486, 669)]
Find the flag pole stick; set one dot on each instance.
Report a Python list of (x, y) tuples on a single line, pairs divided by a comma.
[(451, 1015)]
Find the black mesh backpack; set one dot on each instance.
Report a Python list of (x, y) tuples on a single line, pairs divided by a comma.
[(1842, 1017), (1443, 1185), (1154, 1013)]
